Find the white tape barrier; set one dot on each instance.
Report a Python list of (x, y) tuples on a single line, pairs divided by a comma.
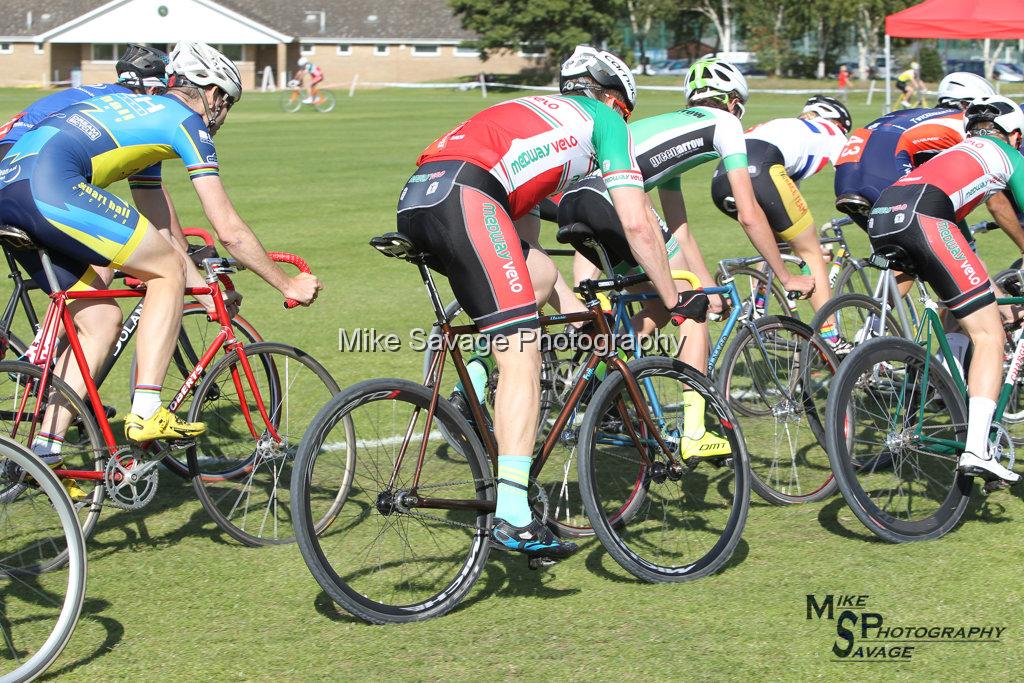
[(469, 85)]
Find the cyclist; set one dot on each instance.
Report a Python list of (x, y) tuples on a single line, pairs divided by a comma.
[(309, 76), (459, 206), (780, 154), (921, 215), (51, 186), (909, 83)]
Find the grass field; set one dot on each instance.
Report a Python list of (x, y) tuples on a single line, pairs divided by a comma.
[(172, 599)]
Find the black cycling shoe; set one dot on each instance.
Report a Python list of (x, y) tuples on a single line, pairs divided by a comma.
[(534, 540), (458, 400)]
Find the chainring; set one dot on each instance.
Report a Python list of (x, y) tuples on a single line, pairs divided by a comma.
[(129, 480), (1001, 447)]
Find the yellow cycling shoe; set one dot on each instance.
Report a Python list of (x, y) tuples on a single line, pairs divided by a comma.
[(163, 425), (75, 492), (707, 446)]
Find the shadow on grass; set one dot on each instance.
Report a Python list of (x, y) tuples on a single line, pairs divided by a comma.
[(91, 613), (829, 519), (986, 508), (598, 562)]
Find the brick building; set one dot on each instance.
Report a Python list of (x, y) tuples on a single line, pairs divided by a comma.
[(43, 42)]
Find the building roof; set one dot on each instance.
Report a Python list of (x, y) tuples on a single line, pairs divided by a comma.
[(28, 18)]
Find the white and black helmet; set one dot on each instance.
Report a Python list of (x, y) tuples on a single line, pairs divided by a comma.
[(1002, 111), (961, 88), (604, 68), (708, 78), (830, 108), (200, 64)]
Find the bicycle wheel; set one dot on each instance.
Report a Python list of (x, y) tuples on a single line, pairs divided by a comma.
[(879, 415), (661, 519), (854, 278), (38, 525), (779, 388), (324, 101), (194, 338), (853, 318), (385, 558), (754, 288), (291, 100), (241, 466), (84, 448), (12, 346)]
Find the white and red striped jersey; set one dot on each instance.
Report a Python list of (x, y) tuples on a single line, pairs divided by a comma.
[(806, 146)]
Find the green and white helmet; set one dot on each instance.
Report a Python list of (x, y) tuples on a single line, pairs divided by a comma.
[(713, 78)]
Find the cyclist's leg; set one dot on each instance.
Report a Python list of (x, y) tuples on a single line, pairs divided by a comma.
[(807, 246)]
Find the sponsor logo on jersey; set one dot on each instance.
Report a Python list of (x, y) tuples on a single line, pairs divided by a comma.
[(10, 174), (520, 163), (205, 137), (501, 247), (212, 158), (79, 122), (679, 150), (424, 177), (888, 209), (949, 241)]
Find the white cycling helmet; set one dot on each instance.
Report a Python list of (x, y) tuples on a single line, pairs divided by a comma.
[(711, 78), (915, 66), (604, 68), (200, 64), (1002, 111), (962, 87), (303, 61)]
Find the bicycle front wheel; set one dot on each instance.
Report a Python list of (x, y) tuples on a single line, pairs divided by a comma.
[(776, 376), (394, 552), (256, 408), (892, 441), (663, 518), (291, 101), (39, 613), (851, 319), (763, 292), (324, 102)]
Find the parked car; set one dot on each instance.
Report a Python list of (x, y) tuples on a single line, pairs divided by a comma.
[(1006, 72)]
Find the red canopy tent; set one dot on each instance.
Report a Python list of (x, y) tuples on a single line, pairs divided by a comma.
[(955, 19)]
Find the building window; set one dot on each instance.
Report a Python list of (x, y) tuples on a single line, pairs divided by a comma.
[(6, 48), (535, 51), (39, 49), (105, 52), (344, 50), (233, 51), (466, 51), (426, 50), (381, 50), (307, 49)]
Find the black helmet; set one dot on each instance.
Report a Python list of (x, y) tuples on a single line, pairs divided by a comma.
[(830, 108), (142, 66)]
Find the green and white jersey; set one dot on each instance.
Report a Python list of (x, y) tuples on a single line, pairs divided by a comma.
[(667, 145)]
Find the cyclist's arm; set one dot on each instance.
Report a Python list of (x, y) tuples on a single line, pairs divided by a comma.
[(1002, 211), (673, 204), (755, 223), (643, 233), (242, 243)]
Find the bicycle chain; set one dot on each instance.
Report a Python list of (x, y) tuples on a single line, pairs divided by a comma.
[(450, 522)]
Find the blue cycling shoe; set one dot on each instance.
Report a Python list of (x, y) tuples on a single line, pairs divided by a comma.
[(534, 540)]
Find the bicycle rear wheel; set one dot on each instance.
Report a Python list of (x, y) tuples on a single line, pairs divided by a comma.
[(853, 318), (777, 381), (291, 100), (324, 101), (765, 294), (36, 527), (883, 417), (662, 519), (387, 557), (241, 466)]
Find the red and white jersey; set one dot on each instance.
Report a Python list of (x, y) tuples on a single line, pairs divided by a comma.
[(807, 146), (537, 146)]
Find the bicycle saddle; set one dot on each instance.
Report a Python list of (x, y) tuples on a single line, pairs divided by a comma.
[(575, 233), (891, 257), (397, 245), (15, 238), (853, 204)]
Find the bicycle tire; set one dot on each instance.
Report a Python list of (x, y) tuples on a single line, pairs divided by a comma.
[(855, 322), (325, 102), (84, 447), (361, 600), (12, 345), (623, 532), (291, 101), (778, 304), (184, 360), (864, 369), (853, 279), (31, 665), (216, 480), (807, 374)]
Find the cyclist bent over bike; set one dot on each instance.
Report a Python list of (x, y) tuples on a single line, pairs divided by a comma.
[(921, 215), (459, 205)]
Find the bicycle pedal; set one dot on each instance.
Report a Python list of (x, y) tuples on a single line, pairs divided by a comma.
[(995, 485), (536, 563)]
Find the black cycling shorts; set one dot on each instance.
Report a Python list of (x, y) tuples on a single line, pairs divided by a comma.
[(921, 220), (587, 201), (775, 191), (459, 214)]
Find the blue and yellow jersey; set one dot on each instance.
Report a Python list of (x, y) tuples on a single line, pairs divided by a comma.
[(43, 107), (118, 136)]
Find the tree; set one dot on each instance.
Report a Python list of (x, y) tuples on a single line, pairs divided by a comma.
[(723, 16), (642, 16), (869, 19), (559, 25), (770, 32)]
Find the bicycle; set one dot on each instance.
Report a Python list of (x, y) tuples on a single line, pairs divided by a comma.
[(254, 400), (410, 480), (292, 100), (39, 521), (897, 420)]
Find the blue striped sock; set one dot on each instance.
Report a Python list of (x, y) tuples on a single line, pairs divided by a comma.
[(512, 500)]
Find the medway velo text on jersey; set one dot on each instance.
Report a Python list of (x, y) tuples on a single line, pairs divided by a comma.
[(537, 146)]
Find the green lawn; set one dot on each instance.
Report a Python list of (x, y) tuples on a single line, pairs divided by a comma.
[(171, 598)]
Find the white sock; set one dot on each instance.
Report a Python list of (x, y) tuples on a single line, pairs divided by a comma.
[(48, 447), (146, 401), (979, 420)]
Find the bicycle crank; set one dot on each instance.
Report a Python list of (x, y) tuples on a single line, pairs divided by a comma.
[(130, 482)]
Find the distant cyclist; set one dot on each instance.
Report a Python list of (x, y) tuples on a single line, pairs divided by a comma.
[(309, 75), (52, 186), (460, 204), (909, 83), (780, 154), (922, 216)]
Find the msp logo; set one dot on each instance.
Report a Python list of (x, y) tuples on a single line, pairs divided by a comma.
[(10, 174), (205, 137), (864, 634)]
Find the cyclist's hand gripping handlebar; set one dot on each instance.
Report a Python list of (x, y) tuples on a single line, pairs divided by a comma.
[(285, 257)]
